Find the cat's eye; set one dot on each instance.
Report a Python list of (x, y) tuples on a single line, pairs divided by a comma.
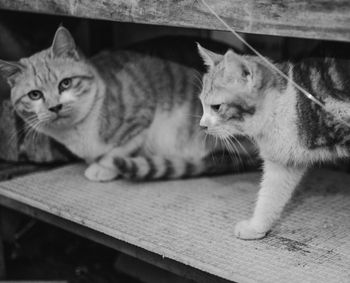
[(65, 84), (215, 107), (35, 95)]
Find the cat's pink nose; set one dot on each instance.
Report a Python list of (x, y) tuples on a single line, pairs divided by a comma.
[(56, 108), (203, 123)]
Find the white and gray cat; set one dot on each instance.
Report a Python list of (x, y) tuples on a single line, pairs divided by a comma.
[(241, 95), (125, 113)]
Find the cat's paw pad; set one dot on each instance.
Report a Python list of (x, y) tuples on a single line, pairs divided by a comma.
[(246, 231), (98, 173)]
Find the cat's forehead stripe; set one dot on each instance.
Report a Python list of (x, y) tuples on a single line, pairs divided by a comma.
[(43, 69), (32, 67)]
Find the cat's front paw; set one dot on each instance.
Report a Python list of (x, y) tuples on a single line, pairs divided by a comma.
[(246, 231), (98, 173)]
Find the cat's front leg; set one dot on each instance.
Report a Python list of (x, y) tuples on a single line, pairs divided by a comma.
[(104, 169), (99, 173), (277, 186)]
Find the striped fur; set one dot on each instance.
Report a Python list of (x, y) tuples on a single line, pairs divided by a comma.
[(159, 167), (241, 95), (127, 114)]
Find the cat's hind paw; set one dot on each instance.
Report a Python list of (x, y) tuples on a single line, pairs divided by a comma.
[(246, 231), (98, 173)]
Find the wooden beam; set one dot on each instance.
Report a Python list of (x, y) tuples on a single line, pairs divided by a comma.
[(321, 19), (173, 266), (2, 261), (186, 226), (2, 253)]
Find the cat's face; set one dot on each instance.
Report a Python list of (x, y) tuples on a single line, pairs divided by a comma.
[(52, 89), (229, 96)]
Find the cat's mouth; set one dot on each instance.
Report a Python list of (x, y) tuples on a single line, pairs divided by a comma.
[(60, 119), (222, 133), (216, 133)]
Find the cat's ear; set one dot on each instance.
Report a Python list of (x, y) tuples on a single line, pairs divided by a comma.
[(63, 44), (237, 66), (209, 58), (9, 70)]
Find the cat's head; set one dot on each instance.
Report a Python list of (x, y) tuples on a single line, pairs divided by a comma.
[(231, 94), (54, 88)]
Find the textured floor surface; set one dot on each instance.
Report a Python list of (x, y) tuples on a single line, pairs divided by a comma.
[(192, 221)]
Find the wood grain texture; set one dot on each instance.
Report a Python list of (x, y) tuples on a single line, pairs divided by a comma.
[(186, 226), (322, 19), (2, 255), (157, 260)]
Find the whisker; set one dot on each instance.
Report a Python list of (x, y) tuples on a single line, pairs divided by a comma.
[(247, 153), (228, 150), (234, 152), (33, 133), (237, 151), (18, 133), (199, 88)]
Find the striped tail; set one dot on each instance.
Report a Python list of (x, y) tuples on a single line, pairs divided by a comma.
[(158, 167)]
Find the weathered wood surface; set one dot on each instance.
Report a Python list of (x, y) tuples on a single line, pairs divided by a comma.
[(186, 226), (2, 256), (322, 19), (155, 259)]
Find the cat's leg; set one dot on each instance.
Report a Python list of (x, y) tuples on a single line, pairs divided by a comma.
[(104, 169), (276, 189), (97, 172)]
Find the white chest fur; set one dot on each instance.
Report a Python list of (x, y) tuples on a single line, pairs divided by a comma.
[(83, 140), (86, 145)]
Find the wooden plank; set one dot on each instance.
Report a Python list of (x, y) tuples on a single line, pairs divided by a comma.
[(175, 267), (190, 223), (2, 259), (2, 255), (321, 19)]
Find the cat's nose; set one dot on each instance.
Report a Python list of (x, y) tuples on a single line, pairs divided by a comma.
[(56, 108), (203, 124)]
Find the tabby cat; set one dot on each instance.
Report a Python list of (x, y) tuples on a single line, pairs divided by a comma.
[(126, 114), (241, 95)]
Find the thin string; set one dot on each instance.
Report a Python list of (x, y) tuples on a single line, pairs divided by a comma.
[(306, 93), (272, 66)]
